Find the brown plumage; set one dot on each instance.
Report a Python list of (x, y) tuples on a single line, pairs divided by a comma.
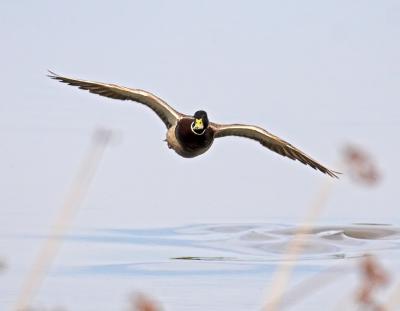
[(191, 136)]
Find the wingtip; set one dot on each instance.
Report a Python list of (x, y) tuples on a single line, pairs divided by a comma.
[(334, 174), (52, 74)]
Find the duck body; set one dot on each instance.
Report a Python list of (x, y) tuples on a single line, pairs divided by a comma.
[(187, 143)]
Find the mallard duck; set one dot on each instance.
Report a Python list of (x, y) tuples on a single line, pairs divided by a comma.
[(191, 136)]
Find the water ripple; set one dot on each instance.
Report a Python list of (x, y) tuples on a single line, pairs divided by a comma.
[(238, 248)]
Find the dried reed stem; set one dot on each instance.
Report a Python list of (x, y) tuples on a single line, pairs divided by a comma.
[(72, 202), (294, 249)]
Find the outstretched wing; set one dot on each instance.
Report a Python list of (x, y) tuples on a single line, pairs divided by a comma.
[(167, 114), (270, 141)]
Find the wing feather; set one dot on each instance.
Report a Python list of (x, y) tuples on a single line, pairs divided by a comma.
[(166, 113), (270, 141)]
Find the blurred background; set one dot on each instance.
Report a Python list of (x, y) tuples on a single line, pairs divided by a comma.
[(319, 74)]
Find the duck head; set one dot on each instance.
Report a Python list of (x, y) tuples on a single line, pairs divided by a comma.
[(200, 123)]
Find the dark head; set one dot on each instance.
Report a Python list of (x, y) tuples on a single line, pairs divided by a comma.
[(200, 122)]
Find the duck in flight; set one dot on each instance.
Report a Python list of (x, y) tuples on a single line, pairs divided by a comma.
[(191, 136)]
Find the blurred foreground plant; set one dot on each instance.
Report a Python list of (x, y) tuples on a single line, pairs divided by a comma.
[(373, 277), (141, 302), (72, 203), (360, 166)]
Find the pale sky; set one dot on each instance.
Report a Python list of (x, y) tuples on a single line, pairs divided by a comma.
[(319, 74)]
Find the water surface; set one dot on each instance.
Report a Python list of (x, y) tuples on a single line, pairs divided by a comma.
[(202, 266)]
